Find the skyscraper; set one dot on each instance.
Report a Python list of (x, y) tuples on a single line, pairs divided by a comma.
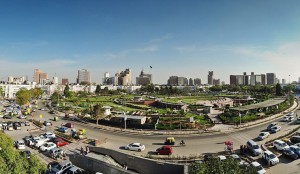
[(210, 77), (191, 82), (124, 77), (144, 79), (271, 78), (36, 75), (83, 76), (197, 81)]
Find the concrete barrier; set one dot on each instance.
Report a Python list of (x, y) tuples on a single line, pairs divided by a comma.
[(141, 165), (94, 165)]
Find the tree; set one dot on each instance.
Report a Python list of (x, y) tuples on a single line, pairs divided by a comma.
[(1, 92), (11, 161), (278, 90), (67, 92), (36, 92), (23, 96), (214, 165), (98, 112), (98, 89)]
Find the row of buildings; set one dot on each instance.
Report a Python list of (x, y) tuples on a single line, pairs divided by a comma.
[(254, 79)]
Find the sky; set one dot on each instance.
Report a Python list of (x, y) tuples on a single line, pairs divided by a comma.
[(175, 37)]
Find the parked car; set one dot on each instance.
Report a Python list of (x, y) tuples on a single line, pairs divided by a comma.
[(63, 129), (238, 159), (54, 152), (17, 126), (60, 142), (259, 169), (280, 145), (27, 123), (284, 119), (295, 149), (271, 125), (48, 146), (270, 157), (294, 139), (47, 123), (289, 153), (164, 150), (298, 120), (275, 129), (7, 117), (20, 144), (75, 170), (290, 113), (26, 153), (222, 157), (263, 135), (69, 125), (22, 117), (135, 146), (10, 126), (49, 135), (61, 167), (253, 147)]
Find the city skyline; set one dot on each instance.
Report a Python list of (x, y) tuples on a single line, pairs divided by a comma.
[(174, 37)]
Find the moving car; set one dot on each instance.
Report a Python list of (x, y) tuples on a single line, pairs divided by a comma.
[(290, 113), (289, 153), (284, 119), (259, 169), (271, 125), (275, 129), (135, 146), (263, 135), (170, 141), (164, 150), (298, 120)]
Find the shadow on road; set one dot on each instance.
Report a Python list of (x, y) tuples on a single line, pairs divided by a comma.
[(152, 153), (158, 144)]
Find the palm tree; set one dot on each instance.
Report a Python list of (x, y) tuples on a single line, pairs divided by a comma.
[(98, 112)]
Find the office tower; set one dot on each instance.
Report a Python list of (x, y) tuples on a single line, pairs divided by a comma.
[(124, 78), (173, 81), (36, 75), (216, 82), (10, 79), (271, 78), (210, 77), (197, 81), (191, 82), (55, 80), (283, 81), (144, 79), (43, 77), (83, 77)]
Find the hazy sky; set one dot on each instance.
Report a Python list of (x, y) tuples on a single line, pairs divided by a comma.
[(175, 37)]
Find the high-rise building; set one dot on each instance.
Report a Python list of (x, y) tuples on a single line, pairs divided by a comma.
[(43, 78), (105, 78), (210, 77), (124, 77), (64, 81), (55, 80), (283, 81), (191, 82), (182, 81), (197, 81), (271, 78), (216, 82), (144, 79), (177, 81), (245, 79), (36, 75), (83, 76)]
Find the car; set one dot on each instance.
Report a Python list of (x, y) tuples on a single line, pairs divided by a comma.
[(52, 112), (17, 125), (275, 129), (298, 120), (271, 125), (27, 139), (259, 169), (47, 123), (55, 151), (135, 146), (26, 153), (290, 118), (164, 150), (237, 158), (20, 144), (75, 170), (295, 149), (4, 123), (263, 135), (7, 117), (280, 145), (69, 125), (289, 153), (290, 113), (22, 123), (270, 157), (60, 168), (1, 115), (48, 146), (49, 135), (22, 117), (27, 123), (63, 129), (284, 119), (42, 109), (222, 157), (253, 147), (170, 141), (10, 126), (60, 143), (294, 139)]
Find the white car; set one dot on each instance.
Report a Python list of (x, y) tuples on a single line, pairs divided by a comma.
[(298, 120), (222, 157), (275, 129), (22, 117), (135, 146), (259, 169), (20, 144), (270, 158), (285, 119), (290, 113), (238, 159), (48, 146), (49, 135), (263, 135)]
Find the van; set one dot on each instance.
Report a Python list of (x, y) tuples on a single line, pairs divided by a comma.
[(253, 147), (280, 145)]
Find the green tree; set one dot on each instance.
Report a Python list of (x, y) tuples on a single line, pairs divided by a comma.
[(36, 92), (278, 90), (98, 112), (98, 89), (67, 92), (23, 96), (214, 165), (11, 161), (1, 92)]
